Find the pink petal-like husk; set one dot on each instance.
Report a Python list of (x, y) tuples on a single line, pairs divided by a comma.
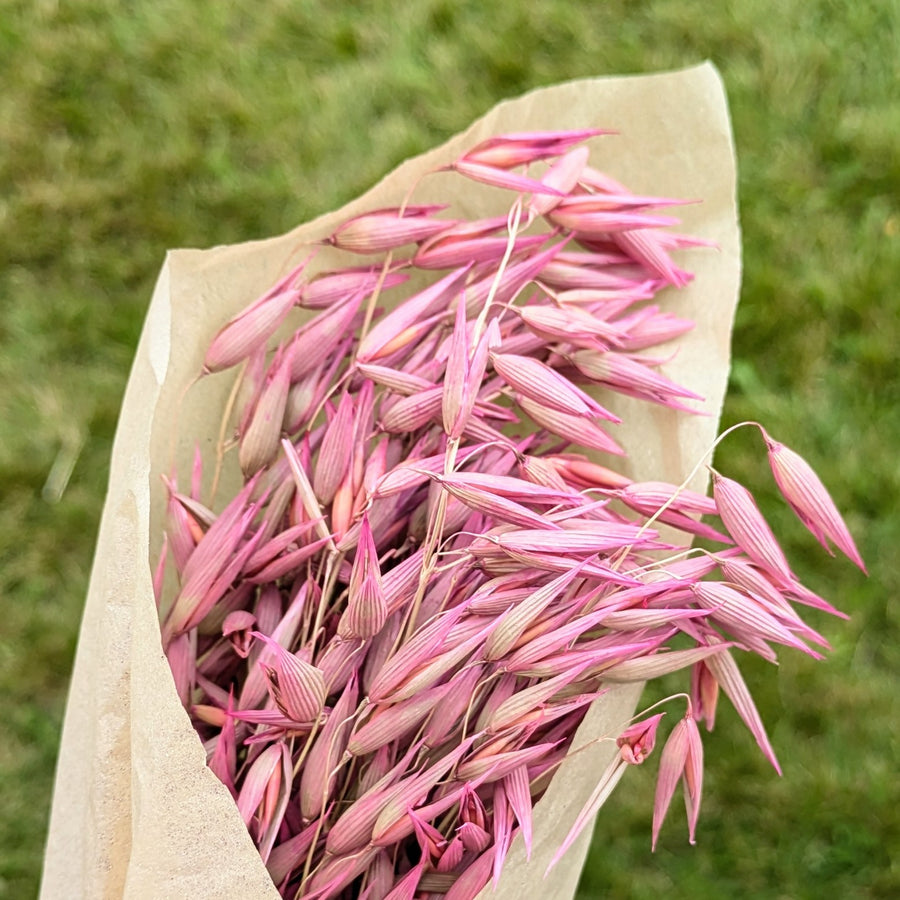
[(693, 776), (562, 175), (810, 500), (420, 306), (248, 331), (598, 797), (726, 672), (317, 778), (671, 766), (503, 178), (544, 385), (578, 430), (518, 793), (334, 456), (475, 876), (405, 888), (748, 527)]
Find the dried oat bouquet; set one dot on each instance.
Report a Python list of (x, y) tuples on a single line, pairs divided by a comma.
[(388, 637)]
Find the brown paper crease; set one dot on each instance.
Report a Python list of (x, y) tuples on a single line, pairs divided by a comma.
[(136, 813)]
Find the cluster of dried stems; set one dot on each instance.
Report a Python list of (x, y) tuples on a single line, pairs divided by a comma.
[(388, 638)]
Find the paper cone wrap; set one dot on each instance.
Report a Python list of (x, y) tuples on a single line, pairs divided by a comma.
[(136, 812)]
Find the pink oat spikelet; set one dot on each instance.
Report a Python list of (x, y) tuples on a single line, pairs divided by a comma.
[(810, 500), (682, 757)]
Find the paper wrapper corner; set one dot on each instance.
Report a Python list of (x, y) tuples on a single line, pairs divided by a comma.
[(136, 813)]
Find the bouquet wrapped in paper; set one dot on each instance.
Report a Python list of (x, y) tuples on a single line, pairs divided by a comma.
[(445, 467)]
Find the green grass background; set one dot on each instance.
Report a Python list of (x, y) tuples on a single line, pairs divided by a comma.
[(128, 128)]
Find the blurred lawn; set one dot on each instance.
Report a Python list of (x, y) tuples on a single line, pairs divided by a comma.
[(128, 129)]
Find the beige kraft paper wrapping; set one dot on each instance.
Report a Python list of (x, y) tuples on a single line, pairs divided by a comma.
[(136, 813)]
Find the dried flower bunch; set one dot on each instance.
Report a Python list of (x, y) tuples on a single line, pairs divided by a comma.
[(388, 637)]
